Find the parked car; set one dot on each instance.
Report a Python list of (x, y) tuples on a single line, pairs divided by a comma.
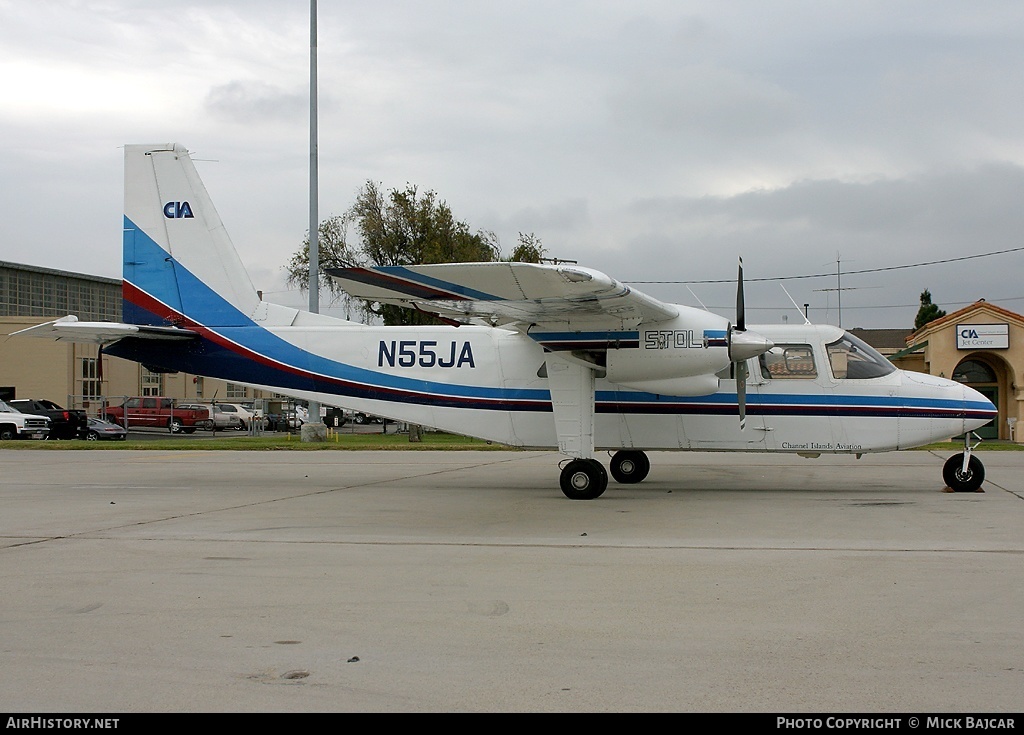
[(99, 429), (17, 425), (287, 420), (217, 418), (233, 409), (358, 417), (158, 411), (65, 423), (257, 414)]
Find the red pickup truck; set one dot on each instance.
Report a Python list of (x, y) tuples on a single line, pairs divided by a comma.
[(159, 412)]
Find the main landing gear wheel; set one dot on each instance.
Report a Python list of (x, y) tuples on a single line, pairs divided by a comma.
[(629, 467), (960, 481), (583, 479)]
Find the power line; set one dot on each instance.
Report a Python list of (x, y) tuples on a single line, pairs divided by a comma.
[(951, 304), (845, 273)]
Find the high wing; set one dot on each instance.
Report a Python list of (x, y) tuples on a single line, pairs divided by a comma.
[(69, 329), (516, 295)]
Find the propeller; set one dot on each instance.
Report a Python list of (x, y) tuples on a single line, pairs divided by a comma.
[(742, 346)]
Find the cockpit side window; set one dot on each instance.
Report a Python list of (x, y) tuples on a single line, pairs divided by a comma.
[(854, 359), (784, 362)]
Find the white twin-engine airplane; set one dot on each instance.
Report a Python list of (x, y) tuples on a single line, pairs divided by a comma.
[(537, 356)]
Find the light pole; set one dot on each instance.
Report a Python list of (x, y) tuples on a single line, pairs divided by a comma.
[(316, 431)]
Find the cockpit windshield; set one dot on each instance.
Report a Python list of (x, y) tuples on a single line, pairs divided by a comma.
[(853, 359)]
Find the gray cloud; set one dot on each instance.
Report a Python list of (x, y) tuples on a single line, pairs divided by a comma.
[(250, 102), (655, 140)]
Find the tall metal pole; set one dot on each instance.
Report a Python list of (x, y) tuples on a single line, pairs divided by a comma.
[(314, 193)]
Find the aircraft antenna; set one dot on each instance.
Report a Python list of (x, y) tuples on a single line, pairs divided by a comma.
[(795, 306), (698, 298)]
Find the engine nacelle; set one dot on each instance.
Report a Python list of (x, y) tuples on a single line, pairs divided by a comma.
[(695, 385), (676, 358)]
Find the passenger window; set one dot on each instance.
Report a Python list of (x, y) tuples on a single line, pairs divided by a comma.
[(784, 362)]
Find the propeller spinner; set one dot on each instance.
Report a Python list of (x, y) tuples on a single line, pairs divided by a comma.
[(743, 345)]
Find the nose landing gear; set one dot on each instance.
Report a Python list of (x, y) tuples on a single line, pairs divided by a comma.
[(964, 473)]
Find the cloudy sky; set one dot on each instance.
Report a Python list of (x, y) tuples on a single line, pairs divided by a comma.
[(656, 140)]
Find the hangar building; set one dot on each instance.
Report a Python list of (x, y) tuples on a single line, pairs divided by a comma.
[(70, 374)]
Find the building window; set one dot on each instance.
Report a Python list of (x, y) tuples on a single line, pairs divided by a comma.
[(199, 386), (152, 383), (92, 387), (236, 391)]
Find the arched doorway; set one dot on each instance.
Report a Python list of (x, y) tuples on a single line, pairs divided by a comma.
[(982, 376)]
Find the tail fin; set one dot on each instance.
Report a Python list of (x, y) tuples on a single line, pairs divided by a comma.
[(179, 264)]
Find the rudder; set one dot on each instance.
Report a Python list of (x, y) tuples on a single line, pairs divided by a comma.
[(180, 266)]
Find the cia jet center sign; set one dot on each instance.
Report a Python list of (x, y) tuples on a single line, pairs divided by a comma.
[(982, 336)]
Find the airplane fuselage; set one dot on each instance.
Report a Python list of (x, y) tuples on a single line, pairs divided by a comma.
[(491, 383)]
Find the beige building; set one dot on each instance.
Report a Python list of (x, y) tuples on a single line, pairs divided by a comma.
[(71, 374), (981, 345)]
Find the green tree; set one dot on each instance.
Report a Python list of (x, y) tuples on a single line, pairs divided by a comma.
[(928, 312), (333, 251), (398, 227), (529, 249)]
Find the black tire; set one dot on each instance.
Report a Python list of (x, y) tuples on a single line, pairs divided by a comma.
[(583, 479), (175, 426), (360, 418), (8, 434), (92, 436), (958, 480), (630, 467)]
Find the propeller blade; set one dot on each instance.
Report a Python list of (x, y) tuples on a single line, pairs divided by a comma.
[(743, 345), (741, 317)]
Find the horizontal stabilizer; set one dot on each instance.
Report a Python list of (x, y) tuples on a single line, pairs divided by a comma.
[(69, 329)]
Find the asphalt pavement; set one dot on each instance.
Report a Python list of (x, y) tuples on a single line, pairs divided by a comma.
[(389, 581)]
